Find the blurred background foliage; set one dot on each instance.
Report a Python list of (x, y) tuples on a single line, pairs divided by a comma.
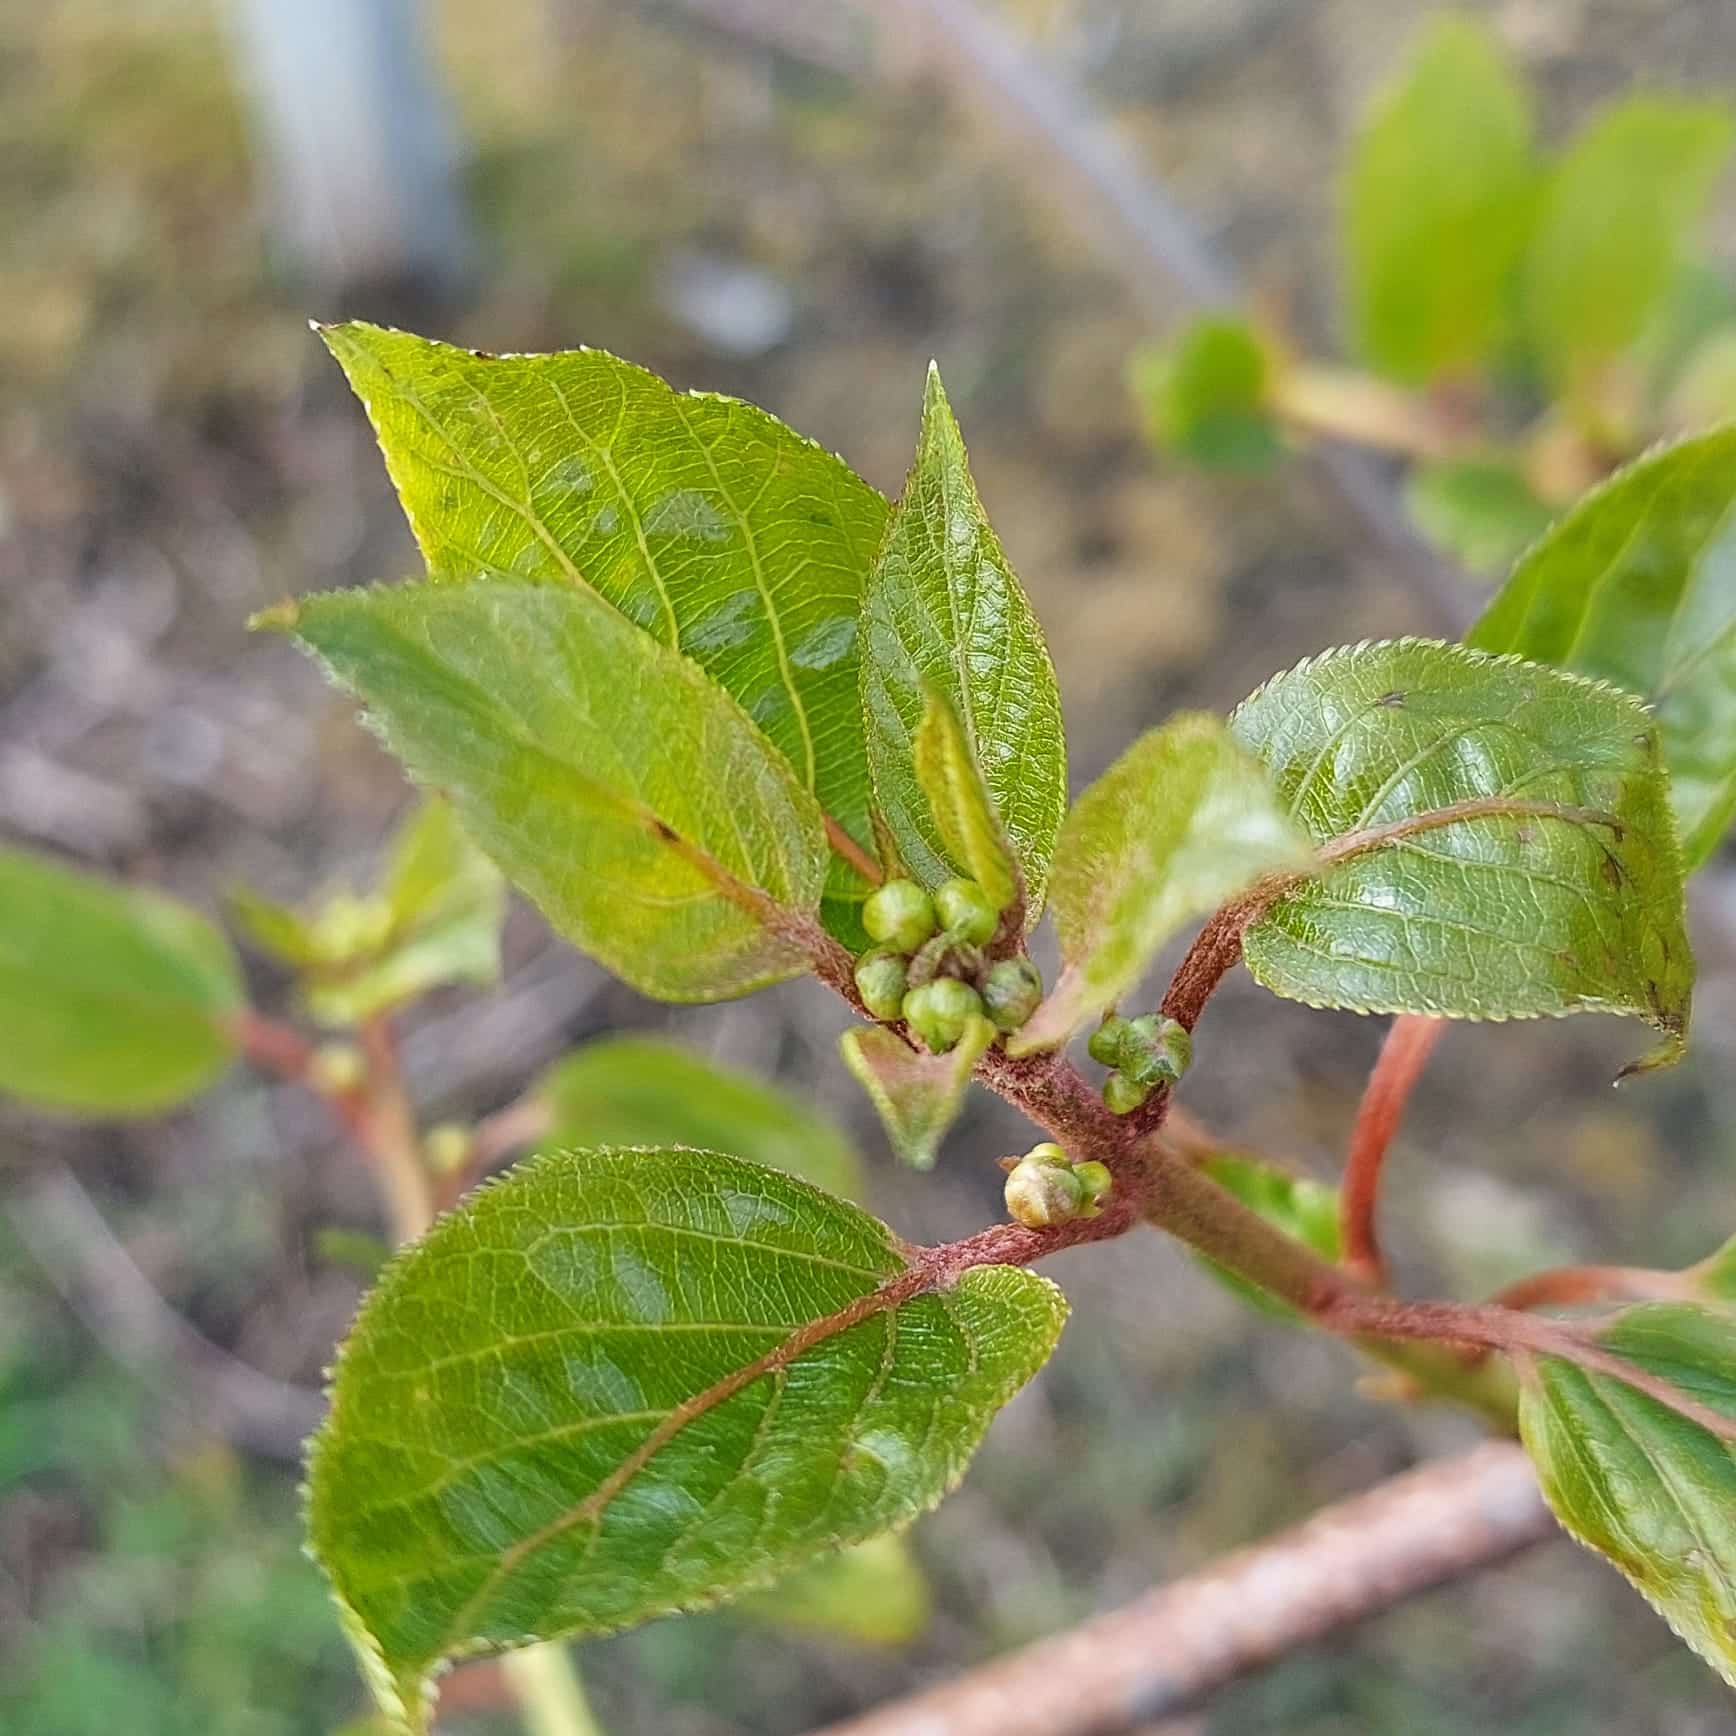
[(800, 205)]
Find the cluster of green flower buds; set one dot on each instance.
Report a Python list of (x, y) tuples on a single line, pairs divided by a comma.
[(927, 966), (1143, 1054), (1045, 1188)]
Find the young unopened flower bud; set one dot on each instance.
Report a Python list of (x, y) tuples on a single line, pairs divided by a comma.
[(965, 911), (1011, 992), (1105, 1044), (1121, 1096), (1095, 1181), (899, 915), (939, 1011), (335, 1068), (881, 979), (1155, 1051), (446, 1147), (1040, 1193)]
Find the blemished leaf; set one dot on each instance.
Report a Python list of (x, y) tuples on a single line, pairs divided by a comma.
[(1480, 510), (642, 1091), (1612, 228), (622, 1383), (610, 778), (707, 522), (1637, 585), (1648, 1488), (1184, 821), (1439, 197), (1299, 1206), (964, 815), (944, 613), (115, 1000), (918, 1095), (1558, 891), (875, 1594), (1204, 395), (444, 902)]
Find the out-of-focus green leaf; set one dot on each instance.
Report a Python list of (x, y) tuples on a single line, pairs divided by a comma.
[(1204, 395), (1558, 891), (1439, 197), (1185, 820), (1480, 510), (945, 614), (1305, 1209), (1637, 585), (1715, 1276), (1699, 304), (114, 1000), (1650, 1489), (639, 1091), (917, 1094), (622, 1383), (1611, 231), (610, 778), (875, 1594), (707, 522), (443, 901), (278, 930), (1705, 391), (964, 815)]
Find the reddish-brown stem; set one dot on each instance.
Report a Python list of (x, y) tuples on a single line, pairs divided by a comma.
[(1567, 1286), (1404, 1054), (852, 852), (1216, 950)]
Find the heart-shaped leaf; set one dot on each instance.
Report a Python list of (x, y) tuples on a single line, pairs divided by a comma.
[(1185, 820), (710, 524), (1498, 837), (918, 1095), (610, 778), (115, 1001), (1649, 1488), (621, 1383), (1637, 584), (944, 613)]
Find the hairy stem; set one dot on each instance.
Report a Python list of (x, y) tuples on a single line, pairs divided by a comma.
[(1565, 1286), (1410, 1040)]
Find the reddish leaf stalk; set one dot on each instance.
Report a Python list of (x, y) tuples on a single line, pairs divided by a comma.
[(1404, 1054)]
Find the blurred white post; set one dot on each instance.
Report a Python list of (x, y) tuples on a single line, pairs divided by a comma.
[(350, 116)]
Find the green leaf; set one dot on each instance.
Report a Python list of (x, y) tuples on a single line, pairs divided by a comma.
[(944, 613), (1439, 197), (1611, 232), (1637, 585), (639, 1091), (704, 520), (278, 930), (874, 1594), (918, 1095), (1715, 1276), (1205, 395), (610, 778), (1300, 1207), (1480, 510), (1185, 820), (622, 1383), (444, 902), (1560, 891), (115, 1001), (964, 815), (1648, 1488)]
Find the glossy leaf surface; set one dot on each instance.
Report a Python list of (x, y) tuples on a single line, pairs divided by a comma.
[(945, 614), (1648, 1488), (620, 1383), (1559, 891), (1637, 585), (707, 522), (610, 778), (114, 1000)]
